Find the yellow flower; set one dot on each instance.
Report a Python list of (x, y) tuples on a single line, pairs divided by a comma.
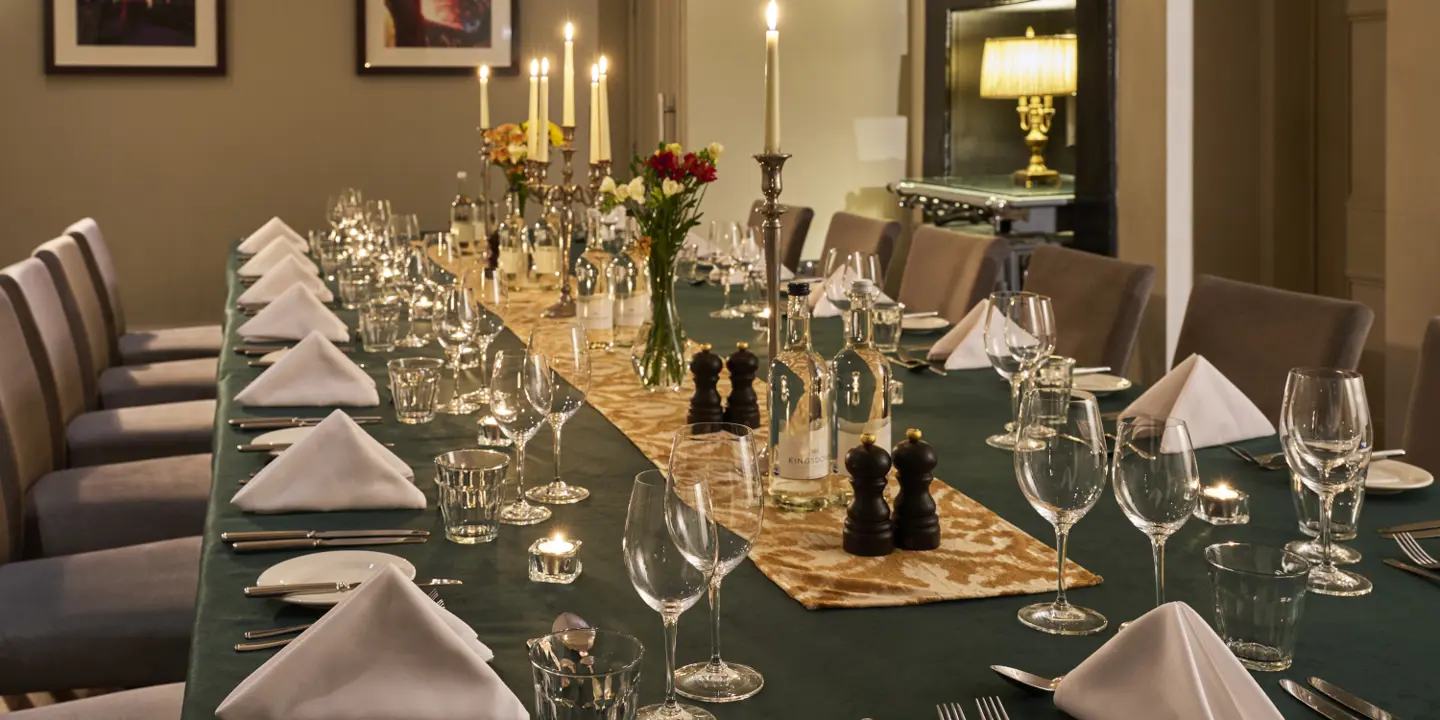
[(675, 148)]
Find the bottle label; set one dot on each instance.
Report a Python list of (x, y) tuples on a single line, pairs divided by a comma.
[(547, 260), (513, 262), (595, 312), (802, 454), (463, 233)]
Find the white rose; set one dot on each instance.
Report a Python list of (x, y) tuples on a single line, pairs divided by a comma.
[(670, 187), (622, 193), (517, 150), (637, 189), (608, 185), (675, 148), (715, 149)]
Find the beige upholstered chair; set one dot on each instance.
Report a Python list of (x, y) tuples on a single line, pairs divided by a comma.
[(160, 702), (1098, 302), (1422, 426), (850, 233), (100, 436), (1255, 334), (137, 348), (949, 272), (794, 228)]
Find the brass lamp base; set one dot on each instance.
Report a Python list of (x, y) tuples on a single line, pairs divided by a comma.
[(1035, 114), (1030, 177)]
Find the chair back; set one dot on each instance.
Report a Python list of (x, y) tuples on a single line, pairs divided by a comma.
[(26, 441), (102, 271), (851, 233), (42, 314), (1255, 335), (1098, 302), (83, 306), (949, 272), (794, 228), (1422, 423)]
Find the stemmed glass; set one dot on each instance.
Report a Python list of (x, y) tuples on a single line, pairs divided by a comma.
[(669, 547), (457, 313), (515, 402), (489, 291), (563, 345), (721, 461), (414, 282), (722, 254), (1062, 476), (1326, 432), (1156, 481), (747, 254), (1019, 336)]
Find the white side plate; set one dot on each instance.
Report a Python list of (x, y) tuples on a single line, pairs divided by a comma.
[(331, 566), (1101, 383), (1394, 476)]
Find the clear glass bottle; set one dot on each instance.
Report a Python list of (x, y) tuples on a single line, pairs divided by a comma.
[(800, 427), (547, 246), (629, 277), (594, 296), (861, 378), (462, 217), (514, 262)]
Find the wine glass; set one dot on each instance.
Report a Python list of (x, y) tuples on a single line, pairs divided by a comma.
[(515, 402), (457, 310), (563, 345), (1062, 476), (1019, 336), (404, 231), (668, 579), (494, 299), (1326, 432), (723, 251), (419, 294), (720, 461), (747, 255), (1156, 481)]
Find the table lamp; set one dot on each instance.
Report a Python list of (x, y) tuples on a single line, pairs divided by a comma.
[(1034, 70)]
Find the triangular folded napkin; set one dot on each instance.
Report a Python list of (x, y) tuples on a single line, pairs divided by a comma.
[(313, 374), (272, 255), (1215, 411), (386, 651), (273, 229), (1168, 665), (963, 348), (279, 278), (337, 466), (294, 315)]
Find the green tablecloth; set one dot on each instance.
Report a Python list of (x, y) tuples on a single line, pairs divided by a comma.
[(886, 663)]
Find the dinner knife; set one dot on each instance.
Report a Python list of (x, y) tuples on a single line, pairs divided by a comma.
[(284, 423), (261, 591), (1315, 702), (1422, 572), (1090, 370), (1417, 534), (251, 535), (271, 447), (311, 543), (1410, 527), (1368, 709)]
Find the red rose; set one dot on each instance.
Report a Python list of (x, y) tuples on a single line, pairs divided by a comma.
[(700, 169)]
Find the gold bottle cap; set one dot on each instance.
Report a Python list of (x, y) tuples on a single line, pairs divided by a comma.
[(704, 347), (913, 434), (867, 439), (742, 345)]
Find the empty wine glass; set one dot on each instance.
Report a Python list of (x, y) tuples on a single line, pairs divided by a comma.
[(667, 579), (456, 315), (1156, 482), (1326, 432), (724, 244), (1062, 476), (563, 345), (720, 461), (515, 402), (414, 283), (1019, 336), (493, 299), (747, 255)]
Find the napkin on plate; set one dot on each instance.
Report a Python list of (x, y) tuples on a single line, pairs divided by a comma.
[(273, 229), (270, 256), (337, 466), (1214, 410), (386, 651), (1168, 665), (313, 373), (294, 315), (963, 348), (279, 278)]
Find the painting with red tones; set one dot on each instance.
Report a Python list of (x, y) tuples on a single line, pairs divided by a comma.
[(135, 36), (436, 36)]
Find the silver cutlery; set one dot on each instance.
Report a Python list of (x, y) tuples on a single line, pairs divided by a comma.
[(921, 315), (916, 363), (293, 422), (273, 632), (271, 447), (1408, 527), (950, 711), (1412, 550), (271, 644), (1412, 569), (1090, 370), (248, 535), (1359, 705), (1419, 534), (267, 349), (1029, 680), (1384, 454), (1315, 702), (310, 544), (991, 708), (264, 591), (1268, 461)]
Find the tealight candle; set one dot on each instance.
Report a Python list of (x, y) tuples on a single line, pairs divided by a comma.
[(555, 560), (1221, 504)]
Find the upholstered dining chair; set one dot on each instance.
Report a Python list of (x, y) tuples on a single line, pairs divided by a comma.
[(137, 347), (1254, 335), (949, 272), (158, 702), (116, 386), (1422, 422), (794, 228), (851, 233), (99, 436), (1098, 302)]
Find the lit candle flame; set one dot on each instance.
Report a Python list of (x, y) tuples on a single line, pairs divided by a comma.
[(1222, 491), (569, 32), (772, 14), (483, 73), (545, 67), (535, 68), (595, 73), (604, 65)]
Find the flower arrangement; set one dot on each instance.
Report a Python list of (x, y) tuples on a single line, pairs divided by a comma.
[(508, 151)]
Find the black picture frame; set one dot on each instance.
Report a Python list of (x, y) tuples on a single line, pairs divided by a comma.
[(56, 64), (365, 66)]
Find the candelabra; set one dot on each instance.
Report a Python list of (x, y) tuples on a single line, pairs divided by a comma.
[(486, 205), (567, 193), (771, 167)]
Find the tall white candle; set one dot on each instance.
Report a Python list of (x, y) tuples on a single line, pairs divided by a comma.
[(543, 131), (567, 100), (484, 73), (534, 110), (772, 81), (604, 110), (594, 113)]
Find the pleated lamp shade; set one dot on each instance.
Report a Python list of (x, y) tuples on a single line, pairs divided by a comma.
[(1015, 67)]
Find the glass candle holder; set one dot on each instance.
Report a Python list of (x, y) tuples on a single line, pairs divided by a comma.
[(1221, 504), (555, 560)]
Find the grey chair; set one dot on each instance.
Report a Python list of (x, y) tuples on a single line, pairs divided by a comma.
[(138, 347), (1255, 334), (1422, 422), (99, 436), (121, 386), (851, 233), (159, 702), (949, 272), (1098, 302), (794, 228)]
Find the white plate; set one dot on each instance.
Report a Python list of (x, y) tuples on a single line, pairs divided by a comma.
[(331, 566), (272, 357), (288, 436), (1101, 383), (1394, 476), (924, 324)]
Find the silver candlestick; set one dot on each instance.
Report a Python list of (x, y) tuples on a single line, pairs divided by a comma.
[(771, 167), (568, 194), (486, 146)]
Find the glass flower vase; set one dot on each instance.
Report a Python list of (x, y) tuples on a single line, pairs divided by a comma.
[(659, 350)]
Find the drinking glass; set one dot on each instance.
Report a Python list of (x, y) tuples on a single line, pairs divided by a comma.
[(332, 255), (1062, 476), (688, 257), (469, 482), (722, 256), (1259, 600), (494, 299), (885, 325), (456, 315), (1327, 436), (663, 575), (567, 355), (380, 324), (404, 231), (586, 674), (1019, 335), (747, 255), (414, 388), (514, 407), (354, 283), (1344, 519), (720, 461), (842, 269), (416, 290), (1156, 482)]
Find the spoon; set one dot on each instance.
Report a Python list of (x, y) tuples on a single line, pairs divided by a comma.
[(1029, 680)]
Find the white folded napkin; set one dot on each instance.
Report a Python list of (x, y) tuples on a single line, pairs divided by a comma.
[(963, 348), (279, 278), (314, 373), (386, 651), (820, 304), (295, 314), (1214, 410), (1168, 665), (338, 466), (273, 229), (270, 256)]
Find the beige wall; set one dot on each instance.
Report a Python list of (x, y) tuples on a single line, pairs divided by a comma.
[(173, 168)]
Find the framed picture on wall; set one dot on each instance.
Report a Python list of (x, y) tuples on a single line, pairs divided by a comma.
[(436, 37), (137, 37)]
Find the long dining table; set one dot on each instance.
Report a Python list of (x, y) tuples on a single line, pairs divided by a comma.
[(886, 663)]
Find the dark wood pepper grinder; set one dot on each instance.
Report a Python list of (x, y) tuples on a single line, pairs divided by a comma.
[(705, 404), (917, 524), (743, 407), (868, 529)]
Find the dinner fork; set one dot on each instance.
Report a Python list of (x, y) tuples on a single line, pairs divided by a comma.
[(950, 711), (991, 708), (1411, 547)]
